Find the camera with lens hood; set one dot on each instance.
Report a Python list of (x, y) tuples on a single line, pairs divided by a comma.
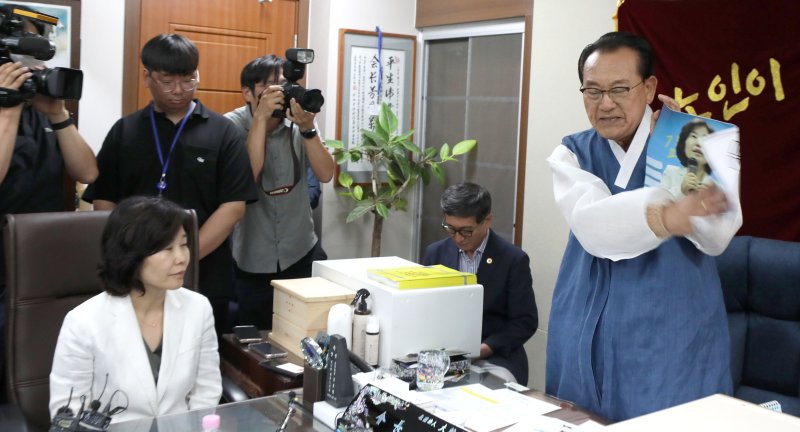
[(58, 82), (294, 67)]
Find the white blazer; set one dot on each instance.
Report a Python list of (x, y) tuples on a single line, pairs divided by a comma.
[(102, 337)]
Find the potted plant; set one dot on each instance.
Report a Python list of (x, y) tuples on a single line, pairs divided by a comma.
[(404, 163)]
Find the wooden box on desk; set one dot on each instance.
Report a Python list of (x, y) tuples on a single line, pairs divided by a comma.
[(300, 308)]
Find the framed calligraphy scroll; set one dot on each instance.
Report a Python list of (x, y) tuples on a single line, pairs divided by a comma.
[(366, 79)]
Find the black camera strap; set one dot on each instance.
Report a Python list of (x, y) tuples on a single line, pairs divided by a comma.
[(10, 97), (283, 190)]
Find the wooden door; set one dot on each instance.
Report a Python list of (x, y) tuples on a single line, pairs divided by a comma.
[(227, 33)]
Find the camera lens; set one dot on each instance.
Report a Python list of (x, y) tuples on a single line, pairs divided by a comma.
[(312, 101)]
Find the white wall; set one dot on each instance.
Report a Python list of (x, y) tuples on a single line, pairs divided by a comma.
[(102, 25), (561, 28)]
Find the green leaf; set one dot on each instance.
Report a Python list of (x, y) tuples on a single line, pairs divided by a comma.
[(464, 147), (393, 186), (387, 119), (437, 171), (390, 173), (358, 212), (405, 167), (408, 145), (444, 152), (355, 156), (373, 138), (345, 179), (382, 210), (407, 135), (400, 204), (426, 176), (358, 193), (334, 144), (342, 158), (393, 171), (430, 152)]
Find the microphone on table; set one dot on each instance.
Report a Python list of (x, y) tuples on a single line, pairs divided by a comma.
[(292, 409)]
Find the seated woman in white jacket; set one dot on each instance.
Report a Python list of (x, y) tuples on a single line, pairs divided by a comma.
[(151, 340)]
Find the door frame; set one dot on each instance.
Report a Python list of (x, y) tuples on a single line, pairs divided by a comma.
[(521, 24), (130, 54)]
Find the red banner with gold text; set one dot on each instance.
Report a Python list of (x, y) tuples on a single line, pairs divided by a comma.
[(739, 62)]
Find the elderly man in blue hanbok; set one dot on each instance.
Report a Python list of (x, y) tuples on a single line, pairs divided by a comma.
[(638, 320)]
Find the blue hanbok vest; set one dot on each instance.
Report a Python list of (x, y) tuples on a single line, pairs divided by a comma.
[(638, 335)]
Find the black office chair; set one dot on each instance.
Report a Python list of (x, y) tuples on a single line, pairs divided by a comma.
[(51, 267), (760, 279)]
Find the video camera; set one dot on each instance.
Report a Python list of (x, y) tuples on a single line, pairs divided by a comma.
[(293, 70), (59, 82)]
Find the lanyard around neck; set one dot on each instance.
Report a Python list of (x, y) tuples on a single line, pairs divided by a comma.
[(162, 181)]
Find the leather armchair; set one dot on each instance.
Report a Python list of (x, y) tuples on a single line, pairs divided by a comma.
[(761, 284), (52, 261)]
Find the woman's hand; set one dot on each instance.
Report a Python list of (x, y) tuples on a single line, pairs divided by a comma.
[(690, 183)]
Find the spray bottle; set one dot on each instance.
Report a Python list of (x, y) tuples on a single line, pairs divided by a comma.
[(360, 317)]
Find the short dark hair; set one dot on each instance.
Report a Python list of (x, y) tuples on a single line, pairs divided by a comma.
[(613, 41), (467, 200), (137, 228), (680, 146), (170, 54), (260, 70)]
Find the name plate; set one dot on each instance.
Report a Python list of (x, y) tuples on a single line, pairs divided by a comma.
[(377, 410)]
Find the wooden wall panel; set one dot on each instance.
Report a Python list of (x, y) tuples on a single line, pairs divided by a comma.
[(442, 12)]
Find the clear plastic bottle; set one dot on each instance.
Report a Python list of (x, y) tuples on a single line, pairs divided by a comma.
[(372, 341)]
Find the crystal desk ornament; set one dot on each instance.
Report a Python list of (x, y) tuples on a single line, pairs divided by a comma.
[(313, 353), (432, 365)]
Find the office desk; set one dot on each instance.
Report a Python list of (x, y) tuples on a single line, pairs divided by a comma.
[(242, 366), (267, 413)]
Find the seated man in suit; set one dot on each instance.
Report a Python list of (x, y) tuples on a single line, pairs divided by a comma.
[(509, 309)]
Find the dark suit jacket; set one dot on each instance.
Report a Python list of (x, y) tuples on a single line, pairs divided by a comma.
[(510, 317)]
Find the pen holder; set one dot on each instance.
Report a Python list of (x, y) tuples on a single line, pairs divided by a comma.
[(313, 386)]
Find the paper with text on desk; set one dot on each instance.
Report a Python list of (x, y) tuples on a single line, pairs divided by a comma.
[(481, 409)]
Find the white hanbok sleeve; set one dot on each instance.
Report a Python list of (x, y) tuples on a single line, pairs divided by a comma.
[(606, 225), (712, 234), (615, 226)]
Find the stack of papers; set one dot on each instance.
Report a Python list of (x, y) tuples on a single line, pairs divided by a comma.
[(478, 408), (421, 277), (481, 409)]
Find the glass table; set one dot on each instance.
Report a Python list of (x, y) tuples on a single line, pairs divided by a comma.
[(262, 414), (268, 413)]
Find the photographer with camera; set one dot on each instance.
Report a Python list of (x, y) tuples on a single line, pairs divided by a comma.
[(276, 239), (38, 140)]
